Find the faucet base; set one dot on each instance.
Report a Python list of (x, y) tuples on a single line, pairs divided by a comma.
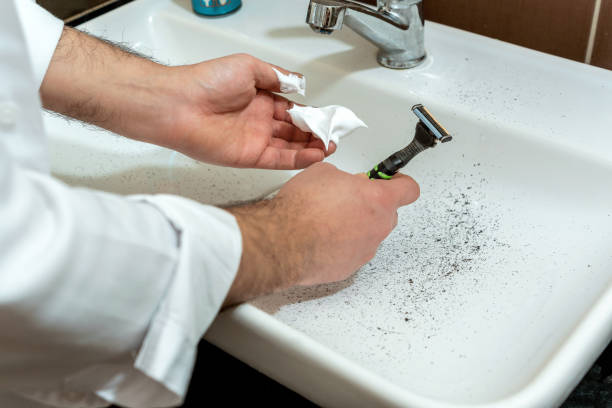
[(399, 61)]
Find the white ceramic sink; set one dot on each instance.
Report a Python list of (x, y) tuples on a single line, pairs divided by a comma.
[(494, 290)]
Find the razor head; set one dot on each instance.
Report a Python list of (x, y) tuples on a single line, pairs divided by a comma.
[(433, 126)]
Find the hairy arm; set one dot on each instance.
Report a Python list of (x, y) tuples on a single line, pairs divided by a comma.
[(221, 111), (94, 81)]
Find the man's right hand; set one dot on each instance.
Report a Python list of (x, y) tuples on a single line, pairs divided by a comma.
[(323, 225)]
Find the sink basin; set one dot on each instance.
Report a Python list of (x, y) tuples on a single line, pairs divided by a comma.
[(494, 289)]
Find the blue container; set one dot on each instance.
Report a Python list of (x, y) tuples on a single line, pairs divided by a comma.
[(215, 7)]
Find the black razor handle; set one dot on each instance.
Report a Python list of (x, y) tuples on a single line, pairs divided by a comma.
[(392, 164)]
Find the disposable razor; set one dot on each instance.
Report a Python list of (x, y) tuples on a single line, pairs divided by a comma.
[(428, 133)]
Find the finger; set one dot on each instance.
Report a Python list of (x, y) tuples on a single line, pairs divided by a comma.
[(402, 189), (290, 132), (283, 144), (331, 149), (313, 144), (296, 137), (265, 77), (281, 106), (287, 159), (306, 157)]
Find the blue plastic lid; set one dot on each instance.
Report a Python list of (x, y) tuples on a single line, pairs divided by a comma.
[(215, 7)]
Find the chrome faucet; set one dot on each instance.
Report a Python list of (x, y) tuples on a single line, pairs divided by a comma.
[(394, 26)]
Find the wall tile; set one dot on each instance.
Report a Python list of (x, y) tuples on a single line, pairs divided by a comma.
[(602, 50), (559, 27)]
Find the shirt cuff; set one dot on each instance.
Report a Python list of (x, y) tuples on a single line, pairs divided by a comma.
[(209, 256), (42, 32)]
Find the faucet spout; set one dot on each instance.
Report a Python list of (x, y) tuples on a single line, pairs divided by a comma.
[(332, 11), (394, 26)]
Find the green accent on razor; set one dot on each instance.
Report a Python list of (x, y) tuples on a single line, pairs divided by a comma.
[(428, 133)]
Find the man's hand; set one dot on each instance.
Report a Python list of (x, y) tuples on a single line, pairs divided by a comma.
[(221, 111), (227, 115), (323, 225)]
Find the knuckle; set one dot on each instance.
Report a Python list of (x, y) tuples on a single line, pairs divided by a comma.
[(380, 203), (236, 56), (376, 194), (247, 59)]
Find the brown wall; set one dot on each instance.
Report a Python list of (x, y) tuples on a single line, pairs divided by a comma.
[(559, 27)]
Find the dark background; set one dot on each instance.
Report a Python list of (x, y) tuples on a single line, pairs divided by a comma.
[(221, 375)]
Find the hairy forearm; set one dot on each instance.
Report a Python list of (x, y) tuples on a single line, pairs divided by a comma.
[(99, 83), (268, 263)]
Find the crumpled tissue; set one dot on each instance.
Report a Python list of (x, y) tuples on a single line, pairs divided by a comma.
[(291, 83), (328, 123)]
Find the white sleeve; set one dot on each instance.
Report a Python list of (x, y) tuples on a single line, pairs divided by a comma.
[(118, 290), (42, 32)]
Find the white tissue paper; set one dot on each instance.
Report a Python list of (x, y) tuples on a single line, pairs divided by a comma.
[(328, 123), (291, 83)]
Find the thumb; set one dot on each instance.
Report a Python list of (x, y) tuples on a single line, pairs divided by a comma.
[(401, 188), (264, 75)]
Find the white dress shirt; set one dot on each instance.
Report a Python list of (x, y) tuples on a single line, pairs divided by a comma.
[(103, 298)]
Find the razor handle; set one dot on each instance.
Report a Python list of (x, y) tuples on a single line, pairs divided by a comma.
[(386, 168), (392, 164)]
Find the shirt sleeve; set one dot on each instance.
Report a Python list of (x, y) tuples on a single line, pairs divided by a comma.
[(104, 293), (42, 32)]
